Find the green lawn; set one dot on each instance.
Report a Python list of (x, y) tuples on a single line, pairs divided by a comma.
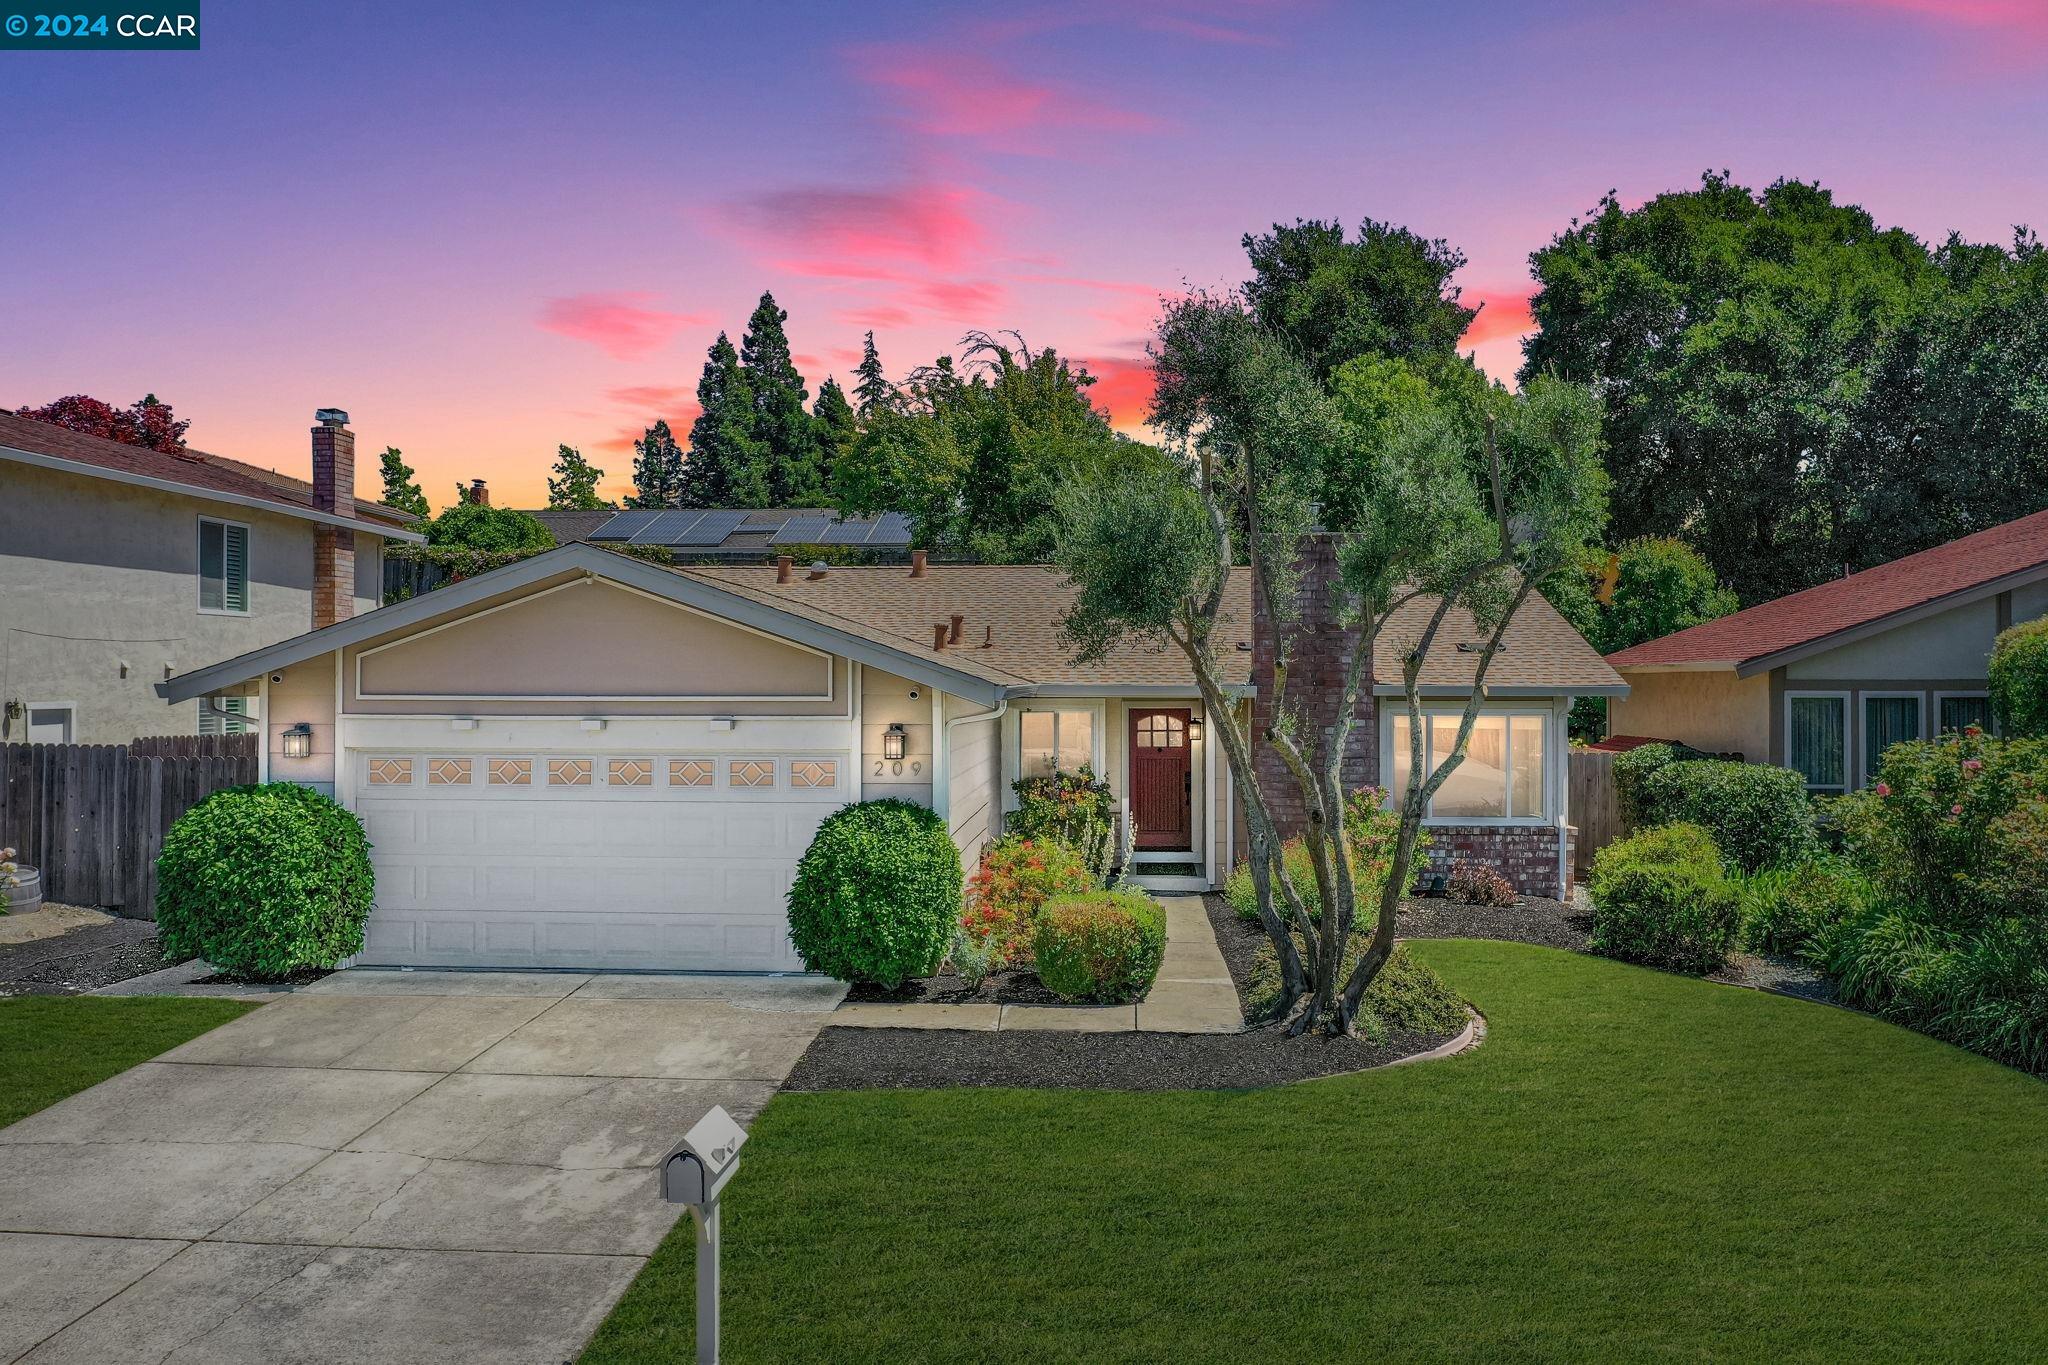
[(57, 1045), (1634, 1164)]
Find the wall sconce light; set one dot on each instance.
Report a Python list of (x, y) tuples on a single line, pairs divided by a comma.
[(298, 741), (1194, 729), (893, 741)]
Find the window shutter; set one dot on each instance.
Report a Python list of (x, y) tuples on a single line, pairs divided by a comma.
[(236, 565)]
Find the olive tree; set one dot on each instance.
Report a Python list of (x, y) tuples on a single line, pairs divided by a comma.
[(1453, 510)]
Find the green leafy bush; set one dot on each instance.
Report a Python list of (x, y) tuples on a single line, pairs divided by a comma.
[(1072, 808), (479, 526), (1945, 826), (877, 894), (973, 956), (1660, 897), (1244, 897), (1985, 989), (1103, 945), (1760, 816), (1635, 767), (1476, 885), (264, 881), (1796, 908), (1406, 994), (1373, 830), (1016, 877), (2019, 680)]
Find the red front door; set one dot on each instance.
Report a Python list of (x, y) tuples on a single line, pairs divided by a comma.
[(1160, 778)]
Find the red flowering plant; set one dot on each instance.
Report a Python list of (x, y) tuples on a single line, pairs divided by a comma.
[(1018, 875), (1953, 824), (1071, 806)]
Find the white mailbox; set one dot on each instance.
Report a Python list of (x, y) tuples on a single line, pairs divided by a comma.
[(693, 1173)]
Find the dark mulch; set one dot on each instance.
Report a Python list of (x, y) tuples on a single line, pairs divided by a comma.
[(1009, 987), (289, 981), (1784, 975), (85, 959), (933, 1059)]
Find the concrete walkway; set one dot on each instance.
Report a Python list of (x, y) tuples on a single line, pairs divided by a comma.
[(381, 1167), (1194, 994)]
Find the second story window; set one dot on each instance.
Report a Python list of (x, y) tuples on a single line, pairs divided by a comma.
[(223, 566)]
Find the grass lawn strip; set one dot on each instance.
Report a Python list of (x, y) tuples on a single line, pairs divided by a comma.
[(54, 1046), (1635, 1164)]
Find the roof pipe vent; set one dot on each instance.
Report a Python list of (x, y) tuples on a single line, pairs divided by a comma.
[(817, 570), (938, 635), (953, 631), (988, 637), (784, 567), (917, 563)]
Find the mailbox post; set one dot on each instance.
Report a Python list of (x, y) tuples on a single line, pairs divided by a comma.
[(694, 1173)]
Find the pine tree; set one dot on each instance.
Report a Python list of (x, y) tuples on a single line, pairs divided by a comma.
[(657, 469), (784, 427), (575, 488), (727, 466), (399, 489), (837, 431), (874, 393)]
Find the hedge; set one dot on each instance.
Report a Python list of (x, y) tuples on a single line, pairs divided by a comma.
[(877, 893), (1759, 815), (1661, 898), (2019, 680)]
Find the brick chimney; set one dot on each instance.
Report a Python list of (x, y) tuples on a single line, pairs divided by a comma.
[(1317, 648), (479, 492), (334, 490)]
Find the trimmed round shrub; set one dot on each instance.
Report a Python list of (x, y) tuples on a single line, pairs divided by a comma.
[(1760, 816), (1476, 885), (1661, 898), (1017, 876), (2019, 680), (263, 881), (1406, 995), (1104, 946), (877, 894)]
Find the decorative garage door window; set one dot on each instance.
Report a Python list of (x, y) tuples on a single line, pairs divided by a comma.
[(578, 774)]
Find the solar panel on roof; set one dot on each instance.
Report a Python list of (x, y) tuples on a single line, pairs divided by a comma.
[(623, 525), (802, 530), (712, 528), (664, 529), (847, 533), (891, 528)]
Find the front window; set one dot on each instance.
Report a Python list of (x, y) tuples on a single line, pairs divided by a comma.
[(1887, 719), (223, 566), (1052, 741), (1960, 710), (1501, 777), (1817, 740)]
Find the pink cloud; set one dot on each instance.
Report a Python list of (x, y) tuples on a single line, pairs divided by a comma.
[(949, 93), (1502, 313), (879, 316), (965, 300), (863, 233), (1123, 385), (652, 397), (2011, 32), (620, 325)]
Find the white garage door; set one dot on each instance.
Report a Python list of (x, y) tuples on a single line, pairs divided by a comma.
[(668, 861)]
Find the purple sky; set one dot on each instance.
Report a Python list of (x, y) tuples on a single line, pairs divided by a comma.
[(485, 237)]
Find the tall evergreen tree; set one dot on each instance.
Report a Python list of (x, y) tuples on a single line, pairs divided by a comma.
[(399, 489), (574, 486), (782, 424), (837, 431), (873, 392), (727, 466), (657, 468)]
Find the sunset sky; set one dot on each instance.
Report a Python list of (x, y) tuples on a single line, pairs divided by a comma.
[(484, 235)]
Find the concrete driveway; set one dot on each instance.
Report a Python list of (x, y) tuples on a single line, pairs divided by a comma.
[(382, 1167)]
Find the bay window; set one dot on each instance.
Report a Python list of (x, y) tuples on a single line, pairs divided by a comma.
[(1502, 777)]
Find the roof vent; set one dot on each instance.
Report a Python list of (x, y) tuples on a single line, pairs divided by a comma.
[(330, 417), (817, 570), (784, 567), (938, 635), (953, 628), (917, 562)]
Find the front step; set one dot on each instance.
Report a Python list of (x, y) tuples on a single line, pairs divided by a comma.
[(1171, 885)]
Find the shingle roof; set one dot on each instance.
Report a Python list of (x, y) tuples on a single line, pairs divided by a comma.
[(1860, 599), (196, 469), (1017, 608), (568, 527)]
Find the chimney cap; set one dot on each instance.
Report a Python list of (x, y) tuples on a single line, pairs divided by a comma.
[(331, 417)]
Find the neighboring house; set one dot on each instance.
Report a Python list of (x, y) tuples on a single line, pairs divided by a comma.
[(586, 759), (120, 566), (735, 534), (1824, 680)]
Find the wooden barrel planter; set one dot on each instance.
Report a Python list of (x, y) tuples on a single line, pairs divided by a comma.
[(20, 900)]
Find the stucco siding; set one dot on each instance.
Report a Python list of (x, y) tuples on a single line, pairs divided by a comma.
[(2029, 602), (99, 596), (973, 778), (1953, 644), (886, 699), (1715, 711)]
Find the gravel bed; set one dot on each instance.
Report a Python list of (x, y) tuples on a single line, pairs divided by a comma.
[(1784, 975), (1008, 987), (85, 959), (934, 1059)]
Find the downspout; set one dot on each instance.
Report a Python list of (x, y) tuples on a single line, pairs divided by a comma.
[(996, 713)]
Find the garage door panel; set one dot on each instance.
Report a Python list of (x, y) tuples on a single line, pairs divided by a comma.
[(660, 861)]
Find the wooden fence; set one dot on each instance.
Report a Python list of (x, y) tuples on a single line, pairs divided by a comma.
[(92, 817), (1594, 808)]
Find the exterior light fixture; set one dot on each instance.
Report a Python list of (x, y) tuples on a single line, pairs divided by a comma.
[(1194, 729), (894, 739), (298, 741)]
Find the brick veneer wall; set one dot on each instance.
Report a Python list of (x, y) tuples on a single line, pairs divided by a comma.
[(1525, 854), (334, 549)]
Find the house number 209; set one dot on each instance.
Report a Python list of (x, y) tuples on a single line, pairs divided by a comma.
[(895, 767)]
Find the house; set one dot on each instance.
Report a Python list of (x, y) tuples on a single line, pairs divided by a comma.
[(120, 566), (585, 759), (1824, 680), (733, 534)]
